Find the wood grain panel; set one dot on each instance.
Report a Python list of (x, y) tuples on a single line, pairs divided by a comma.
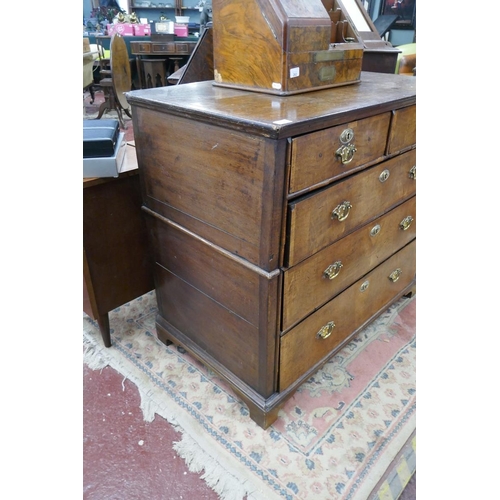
[(205, 268), (225, 187)]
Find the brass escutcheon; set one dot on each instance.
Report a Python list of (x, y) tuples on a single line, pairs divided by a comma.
[(364, 286), (346, 153), (341, 212), (346, 136), (326, 331), (375, 230), (333, 270), (395, 275), (413, 173), (384, 175), (406, 223)]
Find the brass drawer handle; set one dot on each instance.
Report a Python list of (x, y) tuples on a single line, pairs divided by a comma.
[(333, 270), (346, 153), (326, 331), (406, 223), (413, 173), (395, 275), (341, 212)]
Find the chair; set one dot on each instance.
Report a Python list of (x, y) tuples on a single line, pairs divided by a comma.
[(88, 74), (407, 60), (117, 78)]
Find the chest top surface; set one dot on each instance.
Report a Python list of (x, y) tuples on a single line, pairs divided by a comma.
[(275, 116)]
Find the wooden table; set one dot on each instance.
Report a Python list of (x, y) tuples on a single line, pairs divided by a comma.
[(169, 49), (117, 266)]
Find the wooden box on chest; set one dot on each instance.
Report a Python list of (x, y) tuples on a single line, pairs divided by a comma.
[(281, 226), (284, 46)]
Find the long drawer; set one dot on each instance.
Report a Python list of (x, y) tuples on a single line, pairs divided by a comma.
[(317, 336), (334, 152), (319, 278), (318, 220)]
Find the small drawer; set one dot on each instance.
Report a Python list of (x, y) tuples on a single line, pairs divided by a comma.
[(316, 280), (320, 219), (143, 48), (181, 48), (319, 335), (164, 47), (333, 152), (403, 133)]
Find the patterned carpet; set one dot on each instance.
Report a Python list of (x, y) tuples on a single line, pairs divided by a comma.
[(337, 438)]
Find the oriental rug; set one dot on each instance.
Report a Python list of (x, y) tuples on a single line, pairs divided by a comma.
[(333, 440)]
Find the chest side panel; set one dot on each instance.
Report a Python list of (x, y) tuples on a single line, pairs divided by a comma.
[(224, 185)]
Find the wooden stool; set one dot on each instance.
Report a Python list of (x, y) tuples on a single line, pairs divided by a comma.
[(175, 61), (155, 71)]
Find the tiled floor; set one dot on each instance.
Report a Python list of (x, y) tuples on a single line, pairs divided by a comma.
[(124, 457)]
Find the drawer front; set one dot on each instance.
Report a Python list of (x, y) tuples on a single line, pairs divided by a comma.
[(164, 47), (403, 133), (184, 48), (318, 220), (333, 152), (324, 275), (140, 48), (303, 347)]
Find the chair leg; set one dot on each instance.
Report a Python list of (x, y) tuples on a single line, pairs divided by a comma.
[(102, 108), (92, 94)]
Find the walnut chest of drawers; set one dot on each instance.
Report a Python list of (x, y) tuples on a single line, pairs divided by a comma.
[(280, 226)]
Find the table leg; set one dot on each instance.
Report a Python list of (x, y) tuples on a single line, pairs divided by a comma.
[(139, 72), (103, 322)]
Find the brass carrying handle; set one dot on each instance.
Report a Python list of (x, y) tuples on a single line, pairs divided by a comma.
[(346, 153), (413, 173), (333, 270), (325, 331), (406, 223), (341, 212), (395, 275)]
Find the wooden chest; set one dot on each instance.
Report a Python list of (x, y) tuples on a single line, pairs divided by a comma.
[(281, 226)]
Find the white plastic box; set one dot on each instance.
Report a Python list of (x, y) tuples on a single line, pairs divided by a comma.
[(106, 166)]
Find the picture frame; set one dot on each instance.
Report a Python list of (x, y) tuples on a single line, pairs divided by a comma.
[(406, 9)]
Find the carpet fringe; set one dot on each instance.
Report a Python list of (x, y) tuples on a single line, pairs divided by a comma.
[(197, 460), (92, 355), (225, 479)]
